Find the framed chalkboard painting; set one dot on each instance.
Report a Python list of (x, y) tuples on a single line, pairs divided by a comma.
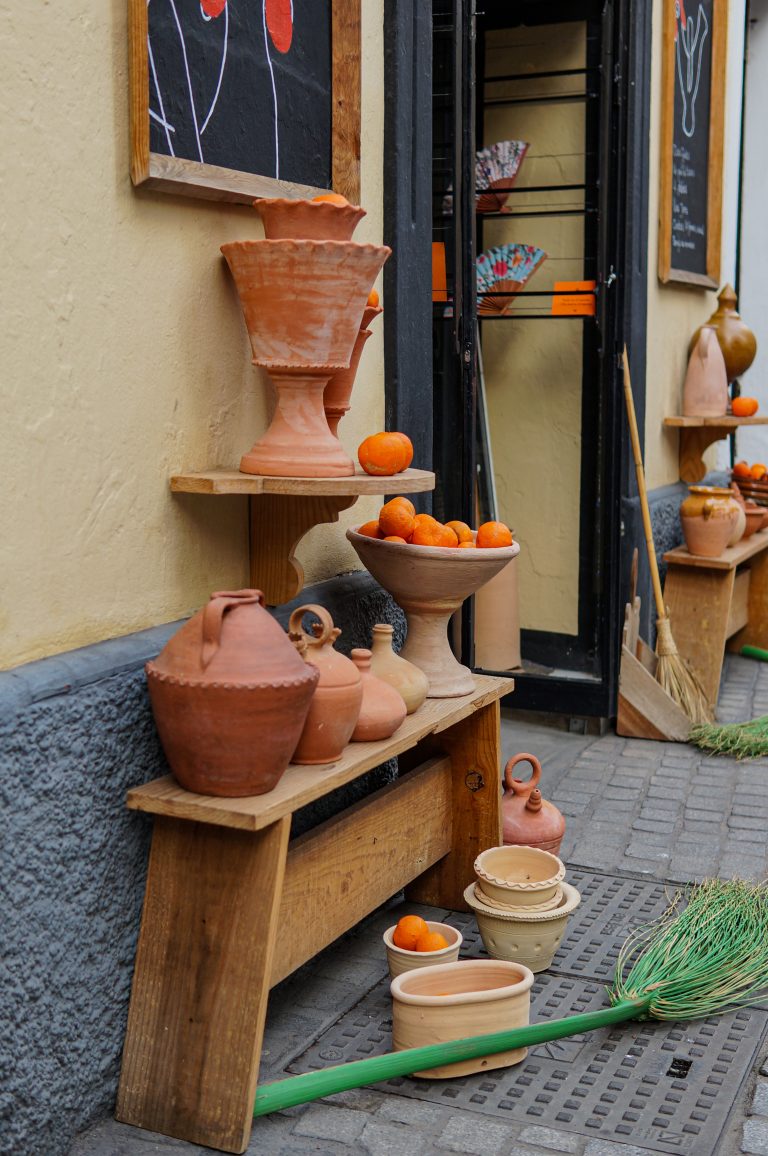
[(237, 99), (692, 127)]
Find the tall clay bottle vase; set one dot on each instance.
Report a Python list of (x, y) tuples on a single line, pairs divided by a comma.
[(338, 391), (302, 301), (705, 392), (410, 682), (383, 708), (736, 339), (335, 705)]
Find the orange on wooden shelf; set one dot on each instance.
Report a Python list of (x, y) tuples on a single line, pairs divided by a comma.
[(373, 299), (396, 518), (744, 406), (462, 531), (492, 535), (370, 530), (409, 447), (431, 941), (758, 471), (409, 929), (741, 470), (395, 538), (334, 198), (383, 454)]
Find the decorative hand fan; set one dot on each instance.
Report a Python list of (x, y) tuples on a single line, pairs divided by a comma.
[(504, 270), (496, 167)]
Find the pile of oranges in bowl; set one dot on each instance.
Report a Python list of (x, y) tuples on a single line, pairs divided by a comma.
[(399, 522), (757, 473)]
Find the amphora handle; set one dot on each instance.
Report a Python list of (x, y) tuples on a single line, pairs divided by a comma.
[(213, 617), (327, 632)]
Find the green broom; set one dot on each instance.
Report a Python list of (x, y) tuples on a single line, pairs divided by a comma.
[(703, 959)]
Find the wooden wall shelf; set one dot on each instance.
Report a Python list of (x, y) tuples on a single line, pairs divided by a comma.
[(282, 510), (697, 434)]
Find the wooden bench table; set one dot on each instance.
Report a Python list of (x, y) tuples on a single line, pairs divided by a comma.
[(223, 877), (712, 600)]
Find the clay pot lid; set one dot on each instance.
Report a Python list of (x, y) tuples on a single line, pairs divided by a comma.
[(232, 641), (570, 901), (303, 219), (318, 649)]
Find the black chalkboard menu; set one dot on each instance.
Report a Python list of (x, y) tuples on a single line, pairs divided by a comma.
[(692, 141), (244, 98)]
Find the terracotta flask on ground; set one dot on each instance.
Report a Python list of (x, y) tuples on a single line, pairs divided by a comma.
[(527, 819), (411, 682), (383, 709), (335, 705), (230, 695)]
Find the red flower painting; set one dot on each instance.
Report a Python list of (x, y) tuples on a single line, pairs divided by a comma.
[(213, 8), (279, 16)]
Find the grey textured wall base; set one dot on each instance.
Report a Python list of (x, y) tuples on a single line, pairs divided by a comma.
[(76, 732)]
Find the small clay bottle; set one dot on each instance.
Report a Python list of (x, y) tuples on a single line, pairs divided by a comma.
[(335, 705), (383, 709), (527, 819), (736, 339), (411, 682)]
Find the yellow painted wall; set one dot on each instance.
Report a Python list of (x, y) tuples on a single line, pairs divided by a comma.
[(123, 351), (533, 368)]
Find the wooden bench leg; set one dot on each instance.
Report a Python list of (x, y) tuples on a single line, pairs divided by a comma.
[(698, 602), (474, 748), (201, 982)]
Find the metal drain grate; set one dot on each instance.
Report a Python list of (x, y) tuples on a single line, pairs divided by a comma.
[(665, 1087), (611, 907)]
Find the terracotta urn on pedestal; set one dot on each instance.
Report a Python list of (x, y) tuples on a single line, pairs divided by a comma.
[(408, 680), (705, 391), (736, 340), (230, 695), (709, 516), (527, 818), (382, 710), (302, 302), (338, 391), (335, 705)]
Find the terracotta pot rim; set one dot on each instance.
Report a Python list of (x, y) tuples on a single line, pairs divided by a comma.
[(503, 991), (433, 925), (302, 245), (489, 553), (279, 684), (571, 900), (513, 885)]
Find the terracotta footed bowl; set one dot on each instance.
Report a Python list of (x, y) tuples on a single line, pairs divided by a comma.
[(430, 583)]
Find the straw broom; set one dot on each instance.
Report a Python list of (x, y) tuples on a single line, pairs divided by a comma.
[(672, 673), (702, 959)]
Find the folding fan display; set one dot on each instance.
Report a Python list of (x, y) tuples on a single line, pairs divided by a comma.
[(496, 167), (504, 270)]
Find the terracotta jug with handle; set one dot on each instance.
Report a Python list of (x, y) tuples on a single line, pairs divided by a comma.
[(335, 705), (527, 819)]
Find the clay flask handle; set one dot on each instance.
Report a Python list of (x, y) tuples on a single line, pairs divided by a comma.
[(327, 634), (516, 785), (213, 617)]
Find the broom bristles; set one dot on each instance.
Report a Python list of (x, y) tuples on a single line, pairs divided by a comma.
[(747, 740), (677, 679)]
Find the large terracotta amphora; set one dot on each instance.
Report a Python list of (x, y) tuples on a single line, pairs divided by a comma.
[(230, 694), (335, 705), (527, 819)]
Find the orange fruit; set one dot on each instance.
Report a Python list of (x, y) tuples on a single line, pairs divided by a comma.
[(741, 470), (409, 448), (744, 406), (431, 941), (758, 471), (334, 198), (382, 454), (462, 531), (395, 538), (447, 537), (370, 530), (373, 299), (467, 546), (396, 518), (405, 502), (491, 535), (409, 929)]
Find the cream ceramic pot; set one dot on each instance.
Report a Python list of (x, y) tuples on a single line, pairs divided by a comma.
[(525, 937), (400, 959), (454, 1000), (519, 876)]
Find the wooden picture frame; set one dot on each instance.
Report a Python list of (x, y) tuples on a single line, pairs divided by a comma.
[(672, 219), (169, 174)]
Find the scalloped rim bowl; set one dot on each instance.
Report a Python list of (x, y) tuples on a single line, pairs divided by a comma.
[(518, 875)]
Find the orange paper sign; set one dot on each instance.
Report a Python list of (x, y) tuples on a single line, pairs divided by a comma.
[(439, 276), (571, 300)]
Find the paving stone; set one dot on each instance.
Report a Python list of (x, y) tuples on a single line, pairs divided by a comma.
[(610, 1148), (329, 1123), (653, 825), (403, 1111), (475, 1135), (754, 1138), (711, 829), (550, 1139), (391, 1140), (643, 851), (740, 837), (760, 1098), (697, 815), (746, 822)]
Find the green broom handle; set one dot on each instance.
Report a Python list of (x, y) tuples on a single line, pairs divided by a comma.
[(314, 1085), (754, 652)]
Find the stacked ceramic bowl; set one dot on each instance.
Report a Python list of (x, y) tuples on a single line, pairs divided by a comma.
[(521, 902)]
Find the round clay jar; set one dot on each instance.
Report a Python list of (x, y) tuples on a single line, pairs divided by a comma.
[(709, 517), (383, 708)]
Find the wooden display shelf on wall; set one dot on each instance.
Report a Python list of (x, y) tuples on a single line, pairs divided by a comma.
[(697, 434), (282, 510)]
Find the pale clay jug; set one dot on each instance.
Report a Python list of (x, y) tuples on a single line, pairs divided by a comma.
[(705, 392), (383, 708), (410, 682)]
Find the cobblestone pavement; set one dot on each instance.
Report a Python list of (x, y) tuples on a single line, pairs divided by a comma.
[(652, 810)]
